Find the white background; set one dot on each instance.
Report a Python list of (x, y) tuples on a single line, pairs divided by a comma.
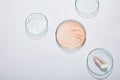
[(23, 58)]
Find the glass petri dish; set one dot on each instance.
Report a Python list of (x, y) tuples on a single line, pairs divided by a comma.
[(70, 35), (36, 25), (100, 63), (87, 8)]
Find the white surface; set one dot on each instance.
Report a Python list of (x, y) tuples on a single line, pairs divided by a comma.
[(22, 58)]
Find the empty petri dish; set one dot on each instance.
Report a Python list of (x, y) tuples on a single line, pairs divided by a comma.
[(70, 34), (36, 25), (100, 63), (87, 8)]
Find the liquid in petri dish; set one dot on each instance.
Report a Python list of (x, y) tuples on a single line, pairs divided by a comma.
[(87, 8), (70, 34), (99, 63), (36, 25)]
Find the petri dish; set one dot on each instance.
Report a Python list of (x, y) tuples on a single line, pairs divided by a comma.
[(100, 63), (87, 8), (36, 25), (70, 35)]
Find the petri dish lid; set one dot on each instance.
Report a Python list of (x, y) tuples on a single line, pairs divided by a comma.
[(94, 68), (87, 8), (36, 25), (70, 35)]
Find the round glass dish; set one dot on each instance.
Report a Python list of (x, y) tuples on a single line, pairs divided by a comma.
[(36, 25), (87, 8), (70, 35), (99, 63)]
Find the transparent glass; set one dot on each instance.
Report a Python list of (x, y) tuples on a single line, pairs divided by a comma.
[(36, 25), (87, 8), (94, 69), (70, 35)]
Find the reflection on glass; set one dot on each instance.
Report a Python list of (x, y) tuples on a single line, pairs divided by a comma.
[(87, 8), (36, 25), (100, 63)]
